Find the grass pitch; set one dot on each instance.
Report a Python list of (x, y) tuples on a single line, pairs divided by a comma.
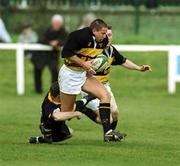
[(147, 113)]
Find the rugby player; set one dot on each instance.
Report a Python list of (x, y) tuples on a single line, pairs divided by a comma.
[(76, 74), (114, 58), (52, 125)]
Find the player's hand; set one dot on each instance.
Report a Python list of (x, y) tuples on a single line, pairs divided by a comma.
[(89, 68), (145, 68), (90, 73), (78, 115)]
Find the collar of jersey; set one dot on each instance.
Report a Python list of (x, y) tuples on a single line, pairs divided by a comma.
[(51, 100)]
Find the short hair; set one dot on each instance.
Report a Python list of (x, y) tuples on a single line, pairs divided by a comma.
[(26, 25), (98, 24), (54, 89), (57, 17)]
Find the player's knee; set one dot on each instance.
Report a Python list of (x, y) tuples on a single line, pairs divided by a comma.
[(105, 97)]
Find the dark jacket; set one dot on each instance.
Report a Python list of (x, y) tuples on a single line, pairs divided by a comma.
[(51, 34), (51, 58)]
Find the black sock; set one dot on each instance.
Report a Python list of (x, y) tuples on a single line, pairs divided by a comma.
[(89, 113), (104, 112), (114, 124), (89, 98)]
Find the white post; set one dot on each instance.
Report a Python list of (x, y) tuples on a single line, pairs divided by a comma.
[(171, 70), (20, 69)]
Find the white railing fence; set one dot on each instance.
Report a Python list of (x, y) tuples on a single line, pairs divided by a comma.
[(173, 60), (20, 85)]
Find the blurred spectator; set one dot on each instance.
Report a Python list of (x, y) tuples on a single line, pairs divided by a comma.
[(54, 36), (150, 4), (4, 35), (4, 3), (87, 19), (27, 34)]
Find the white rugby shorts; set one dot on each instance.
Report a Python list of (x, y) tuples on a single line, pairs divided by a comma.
[(70, 81)]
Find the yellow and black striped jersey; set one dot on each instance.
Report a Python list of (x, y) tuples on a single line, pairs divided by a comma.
[(83, 44), (114, 58), (48, 106)]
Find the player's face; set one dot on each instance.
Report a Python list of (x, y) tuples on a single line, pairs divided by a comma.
[(109, 35), (100, 34)]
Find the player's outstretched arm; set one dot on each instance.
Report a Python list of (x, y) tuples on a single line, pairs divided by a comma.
[(131, 65), (61, 116)]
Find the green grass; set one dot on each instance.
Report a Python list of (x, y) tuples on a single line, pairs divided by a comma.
[(148, 114)]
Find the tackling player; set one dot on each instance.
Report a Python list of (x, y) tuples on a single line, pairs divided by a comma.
[(114, 58), (76, 73), (53, 126)]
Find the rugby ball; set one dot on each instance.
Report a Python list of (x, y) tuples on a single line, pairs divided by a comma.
[(100, 63)]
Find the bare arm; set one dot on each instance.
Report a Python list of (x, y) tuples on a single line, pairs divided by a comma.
[(131, 65), (61, 116)]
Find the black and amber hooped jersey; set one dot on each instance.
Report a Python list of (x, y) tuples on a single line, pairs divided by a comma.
[(48, 106), (83, 44), (114, 58)]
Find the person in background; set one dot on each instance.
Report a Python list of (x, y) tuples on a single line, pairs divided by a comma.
[(152, 4), (87, 20), (54, 36), (28, 36), (4, 35)]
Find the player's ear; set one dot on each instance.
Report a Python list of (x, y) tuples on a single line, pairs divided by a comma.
[(94, 30)]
